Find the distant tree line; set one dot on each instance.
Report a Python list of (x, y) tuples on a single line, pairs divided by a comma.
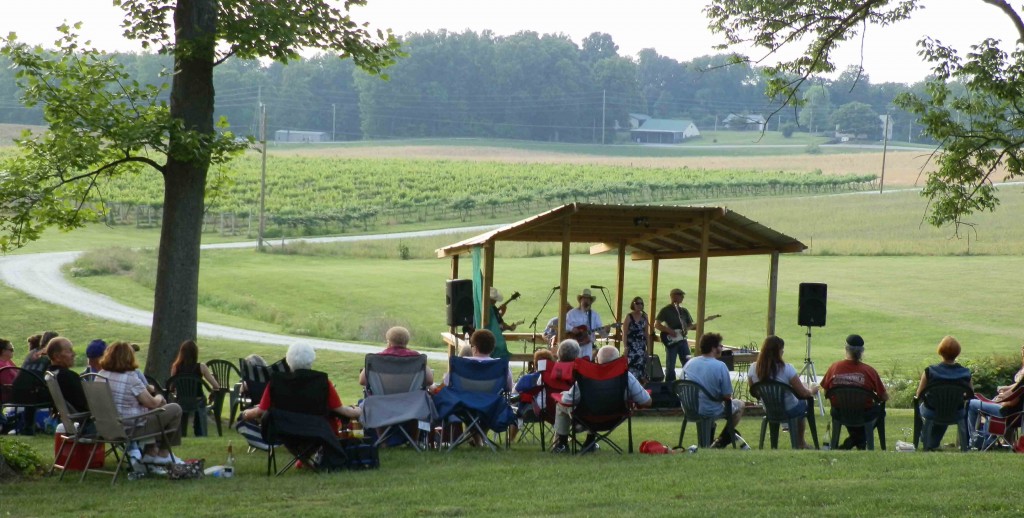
[(524, 86)]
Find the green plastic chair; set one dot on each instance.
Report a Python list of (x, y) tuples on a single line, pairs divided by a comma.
[(947, 400), (187, 391), (772, 395), (688, 392), (223, 370), (849, 404)]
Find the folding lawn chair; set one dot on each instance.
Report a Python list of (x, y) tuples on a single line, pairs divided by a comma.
[(298, 419), (74, 422), (602, 402), (1002, 428), (476, 394), (556, 378), (396, 395)]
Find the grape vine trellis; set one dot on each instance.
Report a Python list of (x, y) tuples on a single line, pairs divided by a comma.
[(314, 195)]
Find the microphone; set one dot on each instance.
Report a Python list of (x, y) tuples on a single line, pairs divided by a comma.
[(596, 287)]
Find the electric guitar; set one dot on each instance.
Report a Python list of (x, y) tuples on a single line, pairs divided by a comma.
[(504, 305), (680, 334), (581, 333)]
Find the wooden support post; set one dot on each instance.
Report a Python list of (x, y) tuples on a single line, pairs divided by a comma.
[(485, 317), (563, 277), (773, 293), (620, 286), (702, 285), (653, 301)]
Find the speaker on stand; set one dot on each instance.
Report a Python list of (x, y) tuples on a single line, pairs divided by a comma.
[(811, 312), (459, 301)]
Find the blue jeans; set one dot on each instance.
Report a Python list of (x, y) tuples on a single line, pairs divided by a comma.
[(975, 407), (938, 430), (680, 350)]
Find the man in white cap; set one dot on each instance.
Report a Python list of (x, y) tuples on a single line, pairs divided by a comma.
[(499, 310), (583, 324)]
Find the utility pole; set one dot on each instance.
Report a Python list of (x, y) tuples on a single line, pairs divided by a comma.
[(263, 174), (885, 146), (334, 121), (604, 105)]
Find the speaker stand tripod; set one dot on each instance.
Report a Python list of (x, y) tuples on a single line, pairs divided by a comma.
[(808, 374)]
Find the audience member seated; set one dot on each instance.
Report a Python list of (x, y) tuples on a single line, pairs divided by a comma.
[(527, 388), (852, 372), (6, 355), (769, 366), (94, 351), (132, 398), (398, 345), (187, 364), (292, 392), (23, 389), (481, 343), (946, 371), (1007, 397), (62, 359), (712, 374), (36, 359), (563, 413)]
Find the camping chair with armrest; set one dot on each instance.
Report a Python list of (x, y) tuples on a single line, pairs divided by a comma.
[(299, 419), (27, 391), (254, 382), (772, 395), (601, 402), (113, 430), (157, 386), (850, 408), (688, 392), (476, 395), (187, 391), (555, 378), (222, 371), (74, 422), (947, 400), (395, 395), (1002, 427)]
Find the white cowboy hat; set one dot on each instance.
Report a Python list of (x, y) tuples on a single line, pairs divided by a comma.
[(585, 293), (496, 295)]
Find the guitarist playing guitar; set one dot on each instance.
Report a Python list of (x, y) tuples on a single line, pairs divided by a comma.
[(674, 321), (583, 324)]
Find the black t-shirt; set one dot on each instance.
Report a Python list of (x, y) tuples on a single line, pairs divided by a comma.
[(71, 387)]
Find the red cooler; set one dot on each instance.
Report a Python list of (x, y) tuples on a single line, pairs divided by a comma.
[(81, 456)]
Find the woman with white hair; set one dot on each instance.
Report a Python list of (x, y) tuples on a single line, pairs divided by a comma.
[(300, 359)]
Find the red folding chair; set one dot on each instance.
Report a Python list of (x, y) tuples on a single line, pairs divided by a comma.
[(602, 403), (998, 428), (555, 377)]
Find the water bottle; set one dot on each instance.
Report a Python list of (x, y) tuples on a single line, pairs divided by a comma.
[(229, 464)]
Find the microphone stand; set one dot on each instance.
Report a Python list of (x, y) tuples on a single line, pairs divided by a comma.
[(535, 317), (611, 311)]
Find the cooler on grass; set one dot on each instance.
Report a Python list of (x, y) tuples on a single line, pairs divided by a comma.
[(80, 458)]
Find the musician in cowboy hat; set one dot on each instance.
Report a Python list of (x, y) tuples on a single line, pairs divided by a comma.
[(584, 323)]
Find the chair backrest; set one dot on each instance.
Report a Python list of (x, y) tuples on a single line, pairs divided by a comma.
[(187, 391), (28, 389), (467, 375), (946, 399), (6, 390), (101, 405), (603, 389), (303, 391), (387, 374), (222, 370), (558, 376), (67, 415), (773, 397), (255, 378), (150, 380), (850, 402), (688, 392)]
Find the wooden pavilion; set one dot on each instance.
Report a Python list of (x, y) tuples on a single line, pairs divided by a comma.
[(647, 233)]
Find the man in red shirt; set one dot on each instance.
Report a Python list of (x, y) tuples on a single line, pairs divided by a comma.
[(853, 372)]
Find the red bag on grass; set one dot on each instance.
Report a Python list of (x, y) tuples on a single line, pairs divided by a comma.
[(654, 448)]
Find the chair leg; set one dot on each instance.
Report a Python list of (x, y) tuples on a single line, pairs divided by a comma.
[(764, 428), (836, 431), (869, 435), (682, 432), (813, 426), (794, 434), (880, 426), (774, 433)]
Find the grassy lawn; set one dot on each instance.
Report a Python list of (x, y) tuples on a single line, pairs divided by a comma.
[(474, 482)]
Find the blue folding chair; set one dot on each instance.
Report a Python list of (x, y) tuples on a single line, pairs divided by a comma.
[(476, 395)]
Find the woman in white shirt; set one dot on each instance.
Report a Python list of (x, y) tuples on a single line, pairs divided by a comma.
[(769, 366)]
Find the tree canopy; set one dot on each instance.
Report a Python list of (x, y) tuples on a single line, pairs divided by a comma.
[(978, 131), (102, 123)]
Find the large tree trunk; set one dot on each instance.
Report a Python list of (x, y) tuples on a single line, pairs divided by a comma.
[(192, 97)]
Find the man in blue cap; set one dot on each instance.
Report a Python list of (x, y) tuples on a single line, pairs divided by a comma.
[(94, 351)]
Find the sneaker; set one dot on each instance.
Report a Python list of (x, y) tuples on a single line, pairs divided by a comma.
[(136, 466), (157, 470), (159, 461), (590, 448), (560, 448), (176, 460)]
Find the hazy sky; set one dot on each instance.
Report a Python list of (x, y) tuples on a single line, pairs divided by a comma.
[(675, 28)]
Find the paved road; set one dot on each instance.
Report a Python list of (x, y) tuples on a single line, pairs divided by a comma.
[(40, 276)]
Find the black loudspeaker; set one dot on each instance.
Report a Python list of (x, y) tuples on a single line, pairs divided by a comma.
[(812, 304), (728, 359), (662, 395), (459, 299), (654, 370)]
